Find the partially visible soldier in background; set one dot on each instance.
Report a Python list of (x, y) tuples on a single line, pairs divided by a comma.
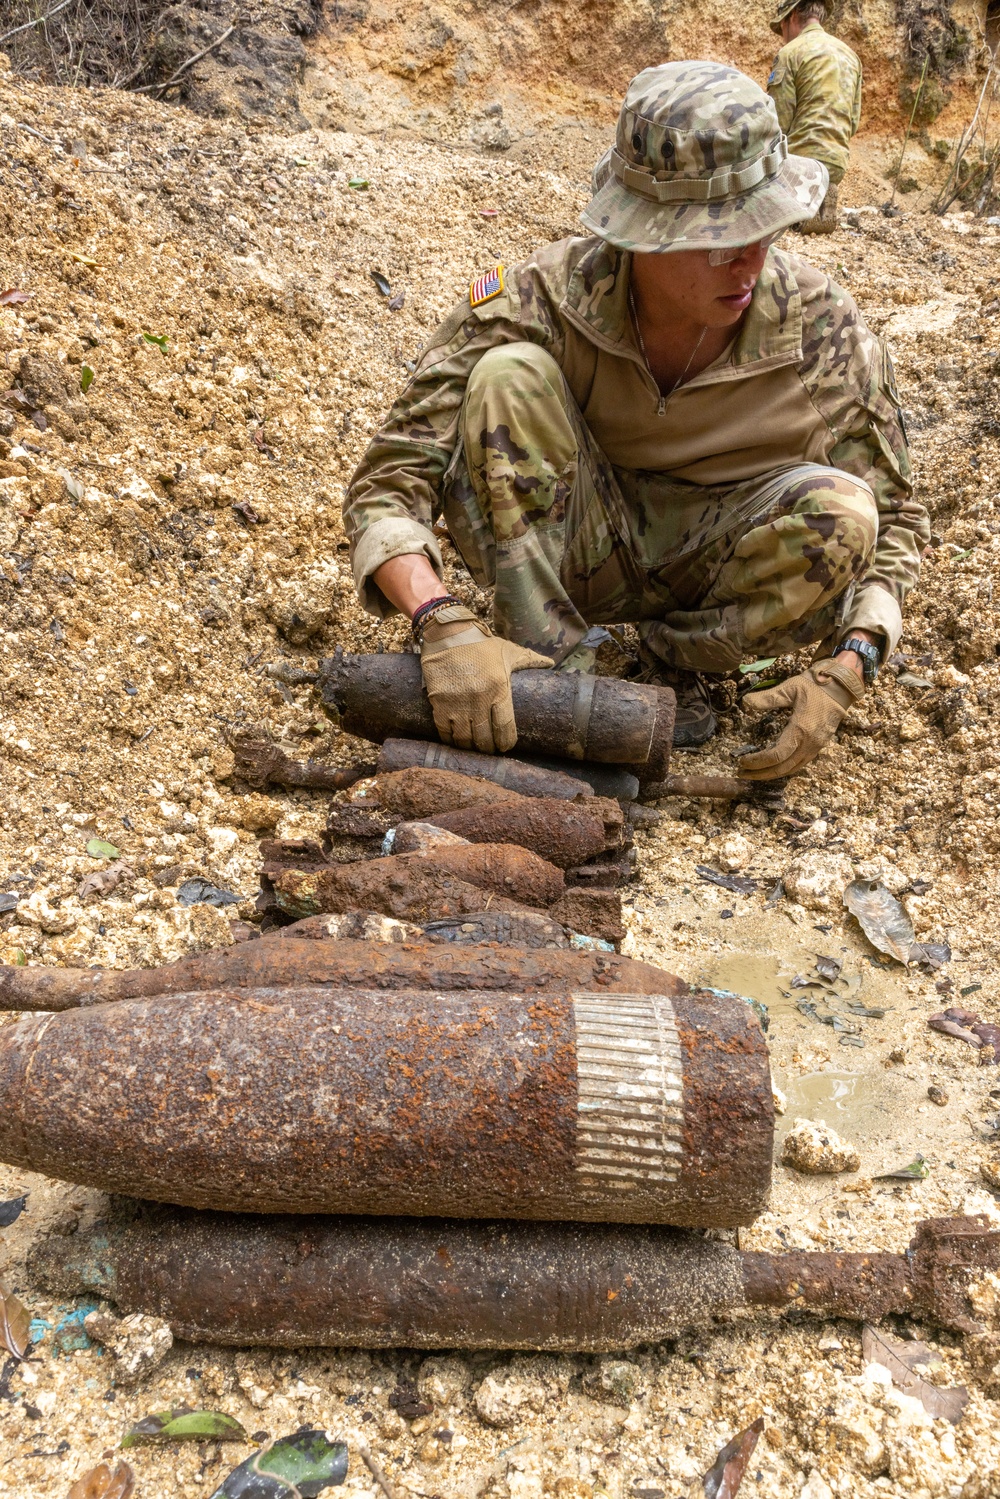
[(816, 87)]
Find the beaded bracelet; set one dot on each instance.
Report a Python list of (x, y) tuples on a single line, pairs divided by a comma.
[(426, 611)]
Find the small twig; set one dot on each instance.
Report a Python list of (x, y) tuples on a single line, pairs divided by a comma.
[(376, 1471), (906, 137), (39, 21), (162, 87)]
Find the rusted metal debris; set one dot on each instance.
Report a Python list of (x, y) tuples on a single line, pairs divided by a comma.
[(515, 775), (590, 1105), (529, 929), (568, 714), (441, 961), (574, 1287), (412, 886), (260, 762), (564, 833)]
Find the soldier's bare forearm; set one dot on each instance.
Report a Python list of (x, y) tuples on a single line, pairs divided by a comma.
[(408, 582)]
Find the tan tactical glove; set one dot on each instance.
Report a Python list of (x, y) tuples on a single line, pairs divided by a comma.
[(818, 697), (467, 675)]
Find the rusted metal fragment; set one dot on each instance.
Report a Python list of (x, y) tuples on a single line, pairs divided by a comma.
[(260, 762), (864, 1286), (415, 795), (527, 930), (294, 853), (401, 886), (569, 714), (515, 775), (391, 1282), (399, 1282), (426, 895), (598, 913), (603, 874), (565, 833), (430, 962), (933, 1278), (586, 1105), (349, 820)]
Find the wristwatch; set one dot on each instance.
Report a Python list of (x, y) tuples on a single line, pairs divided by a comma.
[(871, 656)]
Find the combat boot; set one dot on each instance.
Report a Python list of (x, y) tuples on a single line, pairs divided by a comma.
[(825, 221), (695, 722)]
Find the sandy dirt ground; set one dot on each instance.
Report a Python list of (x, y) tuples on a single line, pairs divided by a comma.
[(170, 533)]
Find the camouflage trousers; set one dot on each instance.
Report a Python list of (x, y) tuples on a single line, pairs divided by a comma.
[(709, 575)]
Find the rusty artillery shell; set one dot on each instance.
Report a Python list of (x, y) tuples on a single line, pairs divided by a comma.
[(415, 794), (515, 775), (406, 884), (279, 964), (437, 1283), (564, 833), (508, 928), (471, 1103), (569, 714), (391, 1282)]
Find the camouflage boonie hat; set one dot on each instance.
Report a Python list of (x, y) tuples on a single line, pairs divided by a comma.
[(784, 9), (699, 163)]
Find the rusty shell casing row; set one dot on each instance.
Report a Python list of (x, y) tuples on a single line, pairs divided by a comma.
[(640, 1108), (535, 777), (516, 775), (279, 962), (292, 1282), (568, 714)]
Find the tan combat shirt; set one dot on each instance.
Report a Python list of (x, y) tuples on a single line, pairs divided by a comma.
[(805, 381), (816, 87)]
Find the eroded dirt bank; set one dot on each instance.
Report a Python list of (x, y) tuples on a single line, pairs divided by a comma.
[(172, 531)]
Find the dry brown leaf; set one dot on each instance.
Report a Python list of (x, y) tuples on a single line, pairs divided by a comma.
[(101, 1483), (724, 1477), (901, 1359), (14, 1324)]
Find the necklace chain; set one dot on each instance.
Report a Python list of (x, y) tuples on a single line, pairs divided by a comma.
[(642, 345)]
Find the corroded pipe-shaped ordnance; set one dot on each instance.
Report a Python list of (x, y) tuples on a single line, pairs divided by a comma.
[(500, 868), (564, 833), (515, 775), (276, 964), (528, 929), (564, 1105), (416, 793), (569, 714), (437, 1283)]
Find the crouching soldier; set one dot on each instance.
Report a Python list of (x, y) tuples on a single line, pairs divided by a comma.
[(668, 421)]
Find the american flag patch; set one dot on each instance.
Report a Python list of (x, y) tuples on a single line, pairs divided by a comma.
[(486, 287)]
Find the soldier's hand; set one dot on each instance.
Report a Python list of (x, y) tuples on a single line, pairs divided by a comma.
[(818, 698), (467, 675)]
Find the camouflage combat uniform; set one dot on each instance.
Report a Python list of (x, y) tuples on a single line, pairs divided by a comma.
[(816, 87), (764, 504)]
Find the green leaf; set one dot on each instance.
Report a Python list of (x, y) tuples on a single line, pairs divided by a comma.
[(19, 958), (359, 182), (761, 665), (915, 1171), (86, 378), (959, 555), (159, 339), (295, 1467), (182, 1425), (98, 849)]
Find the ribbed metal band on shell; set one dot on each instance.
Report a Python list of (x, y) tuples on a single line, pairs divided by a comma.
[(726, 184), (630, 1099)]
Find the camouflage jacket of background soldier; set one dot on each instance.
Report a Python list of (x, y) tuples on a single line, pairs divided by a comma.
[(806, 380), (816, 87)]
